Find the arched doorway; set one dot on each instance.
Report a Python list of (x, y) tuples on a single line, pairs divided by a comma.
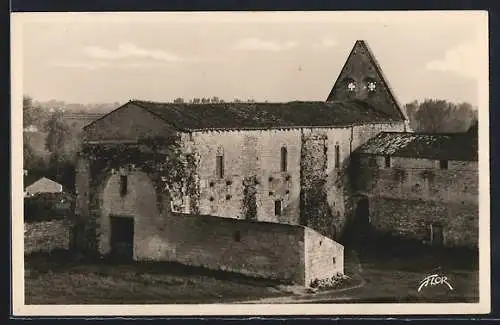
[(357, 229), (130, 214)]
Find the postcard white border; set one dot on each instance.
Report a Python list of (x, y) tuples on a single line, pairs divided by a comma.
[(20, 309)]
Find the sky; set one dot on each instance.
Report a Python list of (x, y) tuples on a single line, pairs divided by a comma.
[(91, 58)]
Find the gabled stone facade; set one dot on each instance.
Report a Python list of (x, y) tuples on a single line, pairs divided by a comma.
[(251, 163)]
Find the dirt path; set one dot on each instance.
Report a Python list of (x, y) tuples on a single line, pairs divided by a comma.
[(373, 283)]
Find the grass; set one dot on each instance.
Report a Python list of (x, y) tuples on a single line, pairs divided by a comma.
[(393, 274), (387, 275), (57, 280)]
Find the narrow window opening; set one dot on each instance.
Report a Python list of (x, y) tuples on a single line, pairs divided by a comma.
[(284, 158), (337, 156), (123, 185), (219, 166), (443, 164), (277, 208), (387, 161)]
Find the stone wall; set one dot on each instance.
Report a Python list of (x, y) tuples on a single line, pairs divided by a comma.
[(323, 256), (261, 249), (130, 122), (412, 219), (411, 194), (46, 236), (252, 160), (313, 191), (326, 188)]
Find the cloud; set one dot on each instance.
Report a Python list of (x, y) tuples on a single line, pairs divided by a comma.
[(79, 64), (325, 43), (462, 59), (94, 65), (257, 44), (130, 51)]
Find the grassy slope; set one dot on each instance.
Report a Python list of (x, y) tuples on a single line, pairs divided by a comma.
[(387, 278), (59, 282)]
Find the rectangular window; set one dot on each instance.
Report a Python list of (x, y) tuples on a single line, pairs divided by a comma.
[(123, 185), (277, 208), (337, 156), (284, 158), (219, 166), (387, 161), (443, 164)]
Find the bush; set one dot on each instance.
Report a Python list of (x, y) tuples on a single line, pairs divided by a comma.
[(334, 282), (47, 206)]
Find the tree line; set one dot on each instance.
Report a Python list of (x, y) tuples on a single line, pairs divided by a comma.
[(51, 150), (209, 100), (440, 116), (55, 155)]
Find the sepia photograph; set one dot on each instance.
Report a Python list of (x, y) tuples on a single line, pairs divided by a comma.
[(250, 163)]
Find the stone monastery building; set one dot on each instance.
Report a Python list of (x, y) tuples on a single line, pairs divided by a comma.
[(273, 166)]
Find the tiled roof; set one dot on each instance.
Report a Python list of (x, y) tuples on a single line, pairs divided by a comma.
[(457, 146), (264, 115)]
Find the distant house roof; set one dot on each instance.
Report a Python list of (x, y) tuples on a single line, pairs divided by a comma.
[(44, 185), (457, 146), (264, 115), (31, 128)]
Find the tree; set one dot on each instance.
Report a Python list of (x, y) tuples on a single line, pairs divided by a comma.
[(178, 100), (31, 112), (31, 160), (411, 110), (58, 137), (63, 145), (435, 116)]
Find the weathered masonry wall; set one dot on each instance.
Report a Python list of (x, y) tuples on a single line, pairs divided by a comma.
[(252, 179), (312, 190), (46, 236), (412, 219), (323, 256), (162, 160), (269, 250), (326, 186), (128, 123), (412, 194)]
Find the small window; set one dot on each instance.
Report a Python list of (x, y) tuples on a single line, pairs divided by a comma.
[(443, 164), (284, 158), (337, 156), (219, 166), (277, 208), (387, 161), (123, 185)]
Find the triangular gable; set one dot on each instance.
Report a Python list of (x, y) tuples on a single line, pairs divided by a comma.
[(44, 185), (362, 78), (129, 122)]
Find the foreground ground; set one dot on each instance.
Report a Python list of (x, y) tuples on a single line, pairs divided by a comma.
[(376, 277)]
